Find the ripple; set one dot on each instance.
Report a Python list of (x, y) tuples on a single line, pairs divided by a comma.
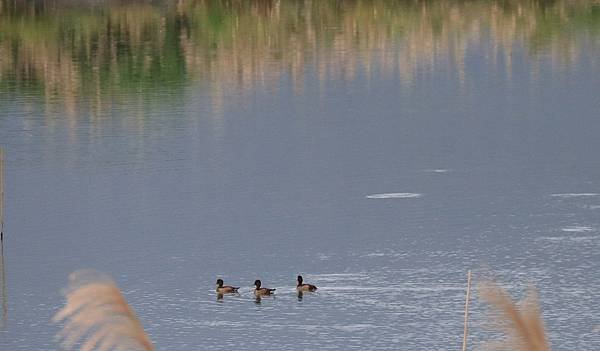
[(394, 196), (353, 327), (573, 239)]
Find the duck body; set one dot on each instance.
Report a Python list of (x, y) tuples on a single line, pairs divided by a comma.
[(225, 289), (259, 291), (303, 286)]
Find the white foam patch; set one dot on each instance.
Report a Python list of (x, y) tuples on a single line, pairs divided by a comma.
[(436, 170), (569, 195), (577, 229), (375, 254), (394, 196)]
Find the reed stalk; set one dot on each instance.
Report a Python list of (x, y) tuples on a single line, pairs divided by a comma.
[(3, 293), (464, 345), (1, 194)]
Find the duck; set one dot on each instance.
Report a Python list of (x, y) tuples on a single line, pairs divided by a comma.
[(262, 291), (225, 289), (304, 287)]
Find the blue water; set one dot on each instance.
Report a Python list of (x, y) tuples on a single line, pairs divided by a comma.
[(381, 190)]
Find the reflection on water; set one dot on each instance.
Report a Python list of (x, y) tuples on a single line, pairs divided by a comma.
[(303, 294), (222, 296), (89, 54), (259, 298)]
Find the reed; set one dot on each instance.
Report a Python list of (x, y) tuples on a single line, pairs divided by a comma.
[(521, 323), (465, 331), (3, 291), (97, 314), (1, 194)]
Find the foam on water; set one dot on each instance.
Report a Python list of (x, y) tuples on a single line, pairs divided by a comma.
[(394, 196), (577, 229), (436, 170)]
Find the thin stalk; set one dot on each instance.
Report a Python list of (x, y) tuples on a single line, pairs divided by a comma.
[(1, 194), (464, 346)]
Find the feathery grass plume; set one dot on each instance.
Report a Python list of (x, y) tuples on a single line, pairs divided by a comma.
[(97, 314), (521, 322)]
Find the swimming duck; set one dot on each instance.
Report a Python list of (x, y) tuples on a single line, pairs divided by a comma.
[(304, 287), (262, 291), (225, 289)]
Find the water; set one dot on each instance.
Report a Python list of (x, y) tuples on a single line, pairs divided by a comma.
[(379, 149)]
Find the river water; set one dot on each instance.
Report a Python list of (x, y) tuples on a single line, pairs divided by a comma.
[(379, 149)]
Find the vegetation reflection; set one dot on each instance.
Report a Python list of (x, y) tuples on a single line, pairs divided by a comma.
[(57, 49)]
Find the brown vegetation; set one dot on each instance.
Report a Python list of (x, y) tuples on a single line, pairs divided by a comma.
[(521, 323), (97, 312)]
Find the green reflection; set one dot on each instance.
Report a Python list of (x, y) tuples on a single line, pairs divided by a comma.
[(120, 48)]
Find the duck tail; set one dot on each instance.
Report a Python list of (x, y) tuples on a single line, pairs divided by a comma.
[(235, 289)]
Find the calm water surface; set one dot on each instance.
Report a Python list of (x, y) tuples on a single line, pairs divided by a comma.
[(380, 149)]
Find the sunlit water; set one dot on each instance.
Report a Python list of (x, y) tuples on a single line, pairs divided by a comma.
[(380, 152)]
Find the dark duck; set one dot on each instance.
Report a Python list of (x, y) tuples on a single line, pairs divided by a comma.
[(303, 286), (225, 289), (262, 291)]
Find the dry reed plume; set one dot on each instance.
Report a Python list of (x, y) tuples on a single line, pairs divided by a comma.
[(97, 313), (521, 322)]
